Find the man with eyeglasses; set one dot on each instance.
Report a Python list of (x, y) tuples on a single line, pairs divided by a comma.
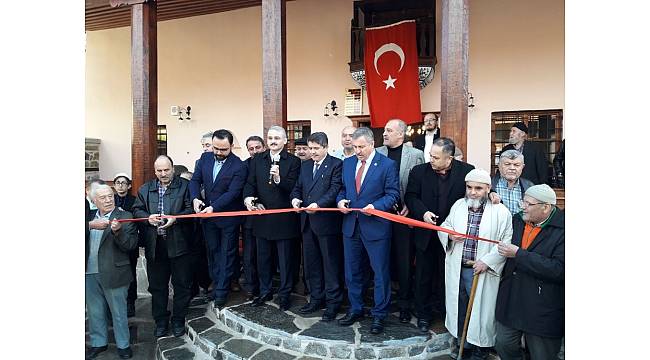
[(431, 132), (222, 175), (531, 293), (465, 258), (124, 201), (508, 186)]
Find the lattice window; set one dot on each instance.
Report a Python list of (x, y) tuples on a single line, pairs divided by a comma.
[(161, 139), (544, 126), (297, 129), (353, 102)]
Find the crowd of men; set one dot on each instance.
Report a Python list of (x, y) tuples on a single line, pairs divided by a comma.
[(514, 283)]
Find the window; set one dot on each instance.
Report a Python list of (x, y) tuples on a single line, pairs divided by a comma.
[(297, 129), (161, 140), (544, 126), (353, 102)]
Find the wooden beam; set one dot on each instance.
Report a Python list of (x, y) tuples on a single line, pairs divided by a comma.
[(144, 83), (274, 64), (454, 69)]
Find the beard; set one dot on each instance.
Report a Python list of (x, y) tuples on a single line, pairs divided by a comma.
[(475, 203)]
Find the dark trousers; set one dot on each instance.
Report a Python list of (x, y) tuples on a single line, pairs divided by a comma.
[(508, 344), (222, 246), (133, 286), (323, 257), (159, 272), (402, 262), (430, 280), (201, 270), (464, 289), (379, 256), (249, 257), (265, 265)]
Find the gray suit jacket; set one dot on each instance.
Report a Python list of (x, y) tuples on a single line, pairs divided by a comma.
[(410, 157)]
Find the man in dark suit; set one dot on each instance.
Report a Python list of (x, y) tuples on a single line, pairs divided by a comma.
[(168, 244), (317, 187), (431, 132), (432, 190), (271, 178), (222, 175), (370, 181), (107, 272), (255, 145), (536, 169), (124, 200), (405, 158)]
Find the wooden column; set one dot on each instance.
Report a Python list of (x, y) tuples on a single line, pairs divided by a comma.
[(144, 85), (274, 64), (454, 69)]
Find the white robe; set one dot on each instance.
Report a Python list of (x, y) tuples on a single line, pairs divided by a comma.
[(496, 224)]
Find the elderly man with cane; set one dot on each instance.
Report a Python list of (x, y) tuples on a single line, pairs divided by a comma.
[(472, 267)]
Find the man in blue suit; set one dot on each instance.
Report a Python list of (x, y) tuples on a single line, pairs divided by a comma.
[(370, 181), (317, 187), (222, 175)]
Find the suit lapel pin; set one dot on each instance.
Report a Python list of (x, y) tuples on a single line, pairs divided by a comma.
[(375, 164)]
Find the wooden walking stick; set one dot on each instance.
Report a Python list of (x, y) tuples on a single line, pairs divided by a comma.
[(467, 315)]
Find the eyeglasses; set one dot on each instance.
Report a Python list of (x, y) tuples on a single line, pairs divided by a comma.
[(525, 204), (121, 183), (429, 121)]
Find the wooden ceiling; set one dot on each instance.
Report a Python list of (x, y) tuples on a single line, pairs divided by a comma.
[(100, 15)]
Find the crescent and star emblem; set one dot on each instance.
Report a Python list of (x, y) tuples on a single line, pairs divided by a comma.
[(390, 82)]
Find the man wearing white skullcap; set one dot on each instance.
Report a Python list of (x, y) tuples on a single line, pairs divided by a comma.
[(473, 215), (531, 293)]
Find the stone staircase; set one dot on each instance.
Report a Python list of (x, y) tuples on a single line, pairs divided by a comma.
[(239, 331)]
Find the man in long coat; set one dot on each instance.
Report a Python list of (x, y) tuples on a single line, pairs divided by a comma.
[(474, 216)]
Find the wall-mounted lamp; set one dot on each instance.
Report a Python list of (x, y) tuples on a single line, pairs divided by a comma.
[(186, 111), (331, 107), (470, 101)]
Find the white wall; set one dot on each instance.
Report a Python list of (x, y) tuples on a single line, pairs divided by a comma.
[(213, 63)]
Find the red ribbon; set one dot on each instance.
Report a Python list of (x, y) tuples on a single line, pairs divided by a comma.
[(382, 214)]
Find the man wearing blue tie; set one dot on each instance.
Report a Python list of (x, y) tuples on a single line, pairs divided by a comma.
[(317, 187), (370, 181), (222, 175)]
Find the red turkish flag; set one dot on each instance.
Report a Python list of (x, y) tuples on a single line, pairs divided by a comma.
[(391, 65)]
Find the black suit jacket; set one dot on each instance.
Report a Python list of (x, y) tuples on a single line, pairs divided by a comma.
[(322, 190), (536, 169), (419, 142), (129, 200), (112, 257), (422, 196), (273, 196)]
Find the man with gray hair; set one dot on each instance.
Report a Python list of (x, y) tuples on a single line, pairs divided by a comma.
[(271, 178), (346, 141), (402, 252), (206, 142), (370, 181), (507, 184), (107, 272), (531, 292)]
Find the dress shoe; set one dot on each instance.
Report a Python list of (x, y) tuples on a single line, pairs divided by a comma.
[(250, 296), (350, 318), (404, 316), (311, 307), (285, 304), (161, 330), (126, 353), (220, 301), (377, 326), (234, 286), (130, 310), (178, 328), (329, 315), (94, 351), (261, 300), (424, 325), (479, 353)]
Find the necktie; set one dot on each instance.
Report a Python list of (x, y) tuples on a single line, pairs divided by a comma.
[(316, 166), (359, 175), (216, 169)]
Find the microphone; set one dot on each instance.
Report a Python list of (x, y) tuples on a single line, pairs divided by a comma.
[(274, 162)]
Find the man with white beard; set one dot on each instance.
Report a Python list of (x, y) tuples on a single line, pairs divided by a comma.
[(474, 216)]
